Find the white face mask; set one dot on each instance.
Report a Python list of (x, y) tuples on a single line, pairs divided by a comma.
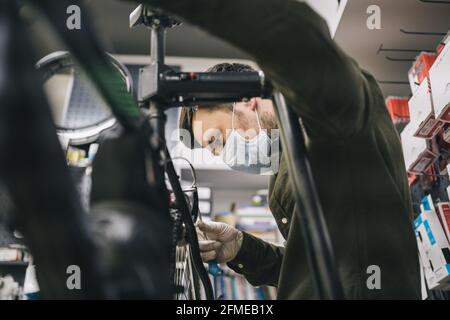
[(258, 155)]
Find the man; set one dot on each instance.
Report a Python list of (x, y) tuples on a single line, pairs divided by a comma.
[(354, 150)]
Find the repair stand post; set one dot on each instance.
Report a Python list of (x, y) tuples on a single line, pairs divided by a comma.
[(150, 80)]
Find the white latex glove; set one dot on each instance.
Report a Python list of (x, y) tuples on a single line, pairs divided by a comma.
[(223, 241)]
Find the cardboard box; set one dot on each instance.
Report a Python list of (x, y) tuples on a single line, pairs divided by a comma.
[(418, 156), (399, 111), (423, 284), (426, 204), (444, 214), (446, 134), (422, 112), (440, 85), (442, 44), (420, 68), (412, 178), (436, 248), (425, 263), (425, 266)]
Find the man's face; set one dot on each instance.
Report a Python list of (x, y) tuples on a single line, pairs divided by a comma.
[(211, 128)]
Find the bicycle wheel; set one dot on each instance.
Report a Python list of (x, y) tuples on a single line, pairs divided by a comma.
[(187, 283)]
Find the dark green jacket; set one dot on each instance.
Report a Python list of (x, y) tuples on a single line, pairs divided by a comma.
[(353, 147)]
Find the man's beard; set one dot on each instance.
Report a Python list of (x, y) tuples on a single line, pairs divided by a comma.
[(268, 121)]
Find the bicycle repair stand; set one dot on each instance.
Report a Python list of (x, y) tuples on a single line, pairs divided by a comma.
[(161, 88)]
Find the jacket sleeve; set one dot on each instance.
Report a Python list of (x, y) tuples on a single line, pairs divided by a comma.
[(293, 46), (258, 261)]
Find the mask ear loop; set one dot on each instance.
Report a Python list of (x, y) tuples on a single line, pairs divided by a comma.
[(257, 119), (232, 117)]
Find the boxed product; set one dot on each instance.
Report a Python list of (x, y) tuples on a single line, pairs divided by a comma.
[(446, 135), (399, 111), (443, 43), (422, 112), (419, 70), (426, 204), (412, 178), (436, 249), (440, 85), (418, 156), (444, 214), (423, 285), (425, 265)]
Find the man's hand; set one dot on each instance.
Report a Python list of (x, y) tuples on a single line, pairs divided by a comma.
[(222, 242)]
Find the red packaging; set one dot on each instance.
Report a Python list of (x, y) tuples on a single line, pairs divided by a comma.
[(398, 109), (444, 217), (420, 69), (446, 135), (418, 153), (422, 112), (442, 44), (412, 178), (426, 159)]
